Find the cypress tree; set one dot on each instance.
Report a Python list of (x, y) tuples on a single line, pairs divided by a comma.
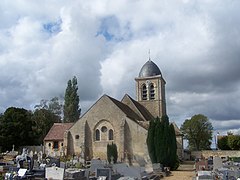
[(71, 108), (161, 142), (166, 140), (173, 158), (109, 153), (150, 141), (158, 140), (115, 152), (112, 153)]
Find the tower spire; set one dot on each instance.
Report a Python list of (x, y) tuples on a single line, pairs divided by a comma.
[(149, 55)]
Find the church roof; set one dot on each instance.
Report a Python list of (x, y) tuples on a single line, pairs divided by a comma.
[(57, 131), (149, 69), (177, 130), (127, 110), (137, 107)]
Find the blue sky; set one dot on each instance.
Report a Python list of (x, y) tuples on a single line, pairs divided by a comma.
[(105, 43)]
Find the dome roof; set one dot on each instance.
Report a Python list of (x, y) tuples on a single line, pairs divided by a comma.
[(149, 69)]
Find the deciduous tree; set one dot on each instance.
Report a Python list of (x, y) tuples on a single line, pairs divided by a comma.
[(198, 131), (43, 120), (222, 143), (233, 142), (16, 128)]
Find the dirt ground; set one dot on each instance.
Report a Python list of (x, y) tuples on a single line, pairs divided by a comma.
[(184, 172)]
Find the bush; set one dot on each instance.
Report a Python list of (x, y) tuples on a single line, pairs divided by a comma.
[(112, 153)]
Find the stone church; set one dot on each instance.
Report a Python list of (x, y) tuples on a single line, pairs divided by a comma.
[(124, 122)]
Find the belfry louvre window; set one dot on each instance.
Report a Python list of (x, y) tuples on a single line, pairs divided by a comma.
[(97, 135), (152, 92), (110, 134), (144, 92)]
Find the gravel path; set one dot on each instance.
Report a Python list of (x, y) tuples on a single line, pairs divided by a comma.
[(184, 172)]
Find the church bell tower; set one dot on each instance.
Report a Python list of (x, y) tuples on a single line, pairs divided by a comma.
[(150, 89)]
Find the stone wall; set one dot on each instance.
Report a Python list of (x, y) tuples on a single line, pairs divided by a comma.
[(156, 107), (103, 113), (50, 151), (219, 153)]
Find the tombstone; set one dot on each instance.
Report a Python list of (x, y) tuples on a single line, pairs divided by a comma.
[(31, 154), (157, 168), (74, 174), (22, 172), (104, 173), (51, 161), (35, 162), (96, 164), (217, 163), (62, 165), (111, 162), (54, 173), (39, 155)]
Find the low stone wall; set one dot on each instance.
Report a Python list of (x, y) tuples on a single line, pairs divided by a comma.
[(219, 153)]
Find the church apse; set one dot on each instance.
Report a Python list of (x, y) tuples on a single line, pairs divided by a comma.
[(103, 134)]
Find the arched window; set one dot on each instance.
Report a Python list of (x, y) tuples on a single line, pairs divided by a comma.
[(152, 92), (144, 92), (110, 134), (97, 135)]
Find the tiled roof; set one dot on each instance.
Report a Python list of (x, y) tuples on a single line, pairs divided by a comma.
[(57, 131)]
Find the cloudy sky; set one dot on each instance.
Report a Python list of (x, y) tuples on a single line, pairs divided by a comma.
[(196, 45)]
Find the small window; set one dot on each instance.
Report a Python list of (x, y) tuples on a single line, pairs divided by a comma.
[(152, 92), (49, 144), (144, 92), (55, 145), (110, 134), (97, 135), (61, 144), (77, 137), (104, 129)]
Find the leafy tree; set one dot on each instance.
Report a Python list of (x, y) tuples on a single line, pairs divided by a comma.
[(233, 142), (71, 108), (112, 153), (54, 106), (222, 143), (43, 104), (43, 120), (16, 128), (229, 142), (198, 131)]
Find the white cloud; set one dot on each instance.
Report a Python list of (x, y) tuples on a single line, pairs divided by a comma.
[(105, 43)]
